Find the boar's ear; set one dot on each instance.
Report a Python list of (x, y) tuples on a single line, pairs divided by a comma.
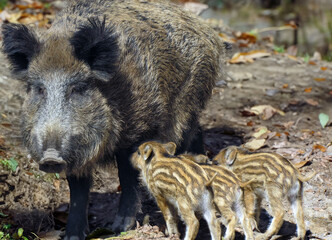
[(20, 45), (96, 44), (230, 155), (170, 148)]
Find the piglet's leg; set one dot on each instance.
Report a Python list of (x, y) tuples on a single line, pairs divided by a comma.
[(277, 209), (296, 199), (169, 215), (188, 215)]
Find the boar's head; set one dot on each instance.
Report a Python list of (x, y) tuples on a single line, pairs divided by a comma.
[(67, 120)]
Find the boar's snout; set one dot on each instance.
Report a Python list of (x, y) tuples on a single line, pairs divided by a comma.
[(52, 162)]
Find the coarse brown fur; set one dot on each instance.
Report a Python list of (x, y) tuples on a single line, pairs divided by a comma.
[(177, 184), (275, 177), (228, 195), (164, 68), (107, 76)]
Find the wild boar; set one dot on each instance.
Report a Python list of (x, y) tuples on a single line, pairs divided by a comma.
[(107, 76)]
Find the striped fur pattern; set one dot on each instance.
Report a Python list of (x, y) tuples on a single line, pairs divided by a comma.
[(276, 178), (228, 196), (178, 186)]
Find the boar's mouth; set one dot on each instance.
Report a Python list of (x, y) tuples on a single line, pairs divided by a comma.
[(52, 162)]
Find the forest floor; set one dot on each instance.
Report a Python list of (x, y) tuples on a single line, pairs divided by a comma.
[(298, 91)]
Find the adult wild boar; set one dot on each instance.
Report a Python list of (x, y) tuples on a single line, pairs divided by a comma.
[(105, 77)]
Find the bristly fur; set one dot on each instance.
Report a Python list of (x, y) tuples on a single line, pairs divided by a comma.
[(20, 45), (96, 44)]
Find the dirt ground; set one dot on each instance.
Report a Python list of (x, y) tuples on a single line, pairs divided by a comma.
[(38, 202)]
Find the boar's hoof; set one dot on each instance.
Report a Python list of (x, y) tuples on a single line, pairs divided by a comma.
[(121, 223), (51, 162)]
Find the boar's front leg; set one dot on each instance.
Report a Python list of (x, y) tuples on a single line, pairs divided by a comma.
[(77, 223), (126, 216)]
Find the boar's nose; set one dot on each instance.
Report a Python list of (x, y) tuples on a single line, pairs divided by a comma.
[(52, 162)]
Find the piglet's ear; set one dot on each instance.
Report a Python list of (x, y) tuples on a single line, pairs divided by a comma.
[(20, 44), (200, 158), (147, 152), (96, 44), (170, 148), (230, 155)]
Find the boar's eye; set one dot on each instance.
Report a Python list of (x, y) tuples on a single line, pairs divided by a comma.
[(77, 89)]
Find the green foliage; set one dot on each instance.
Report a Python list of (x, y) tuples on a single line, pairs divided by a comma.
[(323, 119), (3, 3), (306, 58), (6, 235), (10, 164), (279, 49)]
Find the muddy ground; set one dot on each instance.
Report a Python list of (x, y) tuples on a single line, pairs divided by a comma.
[(38, 202)]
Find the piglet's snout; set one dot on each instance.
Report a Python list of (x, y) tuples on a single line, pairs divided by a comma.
[(52, 162)]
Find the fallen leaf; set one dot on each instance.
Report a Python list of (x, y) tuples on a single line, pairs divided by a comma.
[(287, 125), (53, 235), (266, 111), (312, 63), (312, 102), (247, 113), (248, 37), (260, 132), (292, 57), (226, 38), (254, 144), (320, 79), (320, 147), (248, 57), (323, 119), (323, 68), (285, 85), (308, 90), (14, 17), (300, 151), (250, 123), (301, 164)]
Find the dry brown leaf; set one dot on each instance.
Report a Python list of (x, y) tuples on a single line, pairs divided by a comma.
[(289, 124), (249, 38), (312, 102), (254, 144), (250, 123), (312, 63), (323, 68), (292, 57), (308, 90), (53, 235), (320, 147), (226, 38), (248, 57), (14, 17), (301, 164), (285, 85), (266, 111), (320, 79)]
